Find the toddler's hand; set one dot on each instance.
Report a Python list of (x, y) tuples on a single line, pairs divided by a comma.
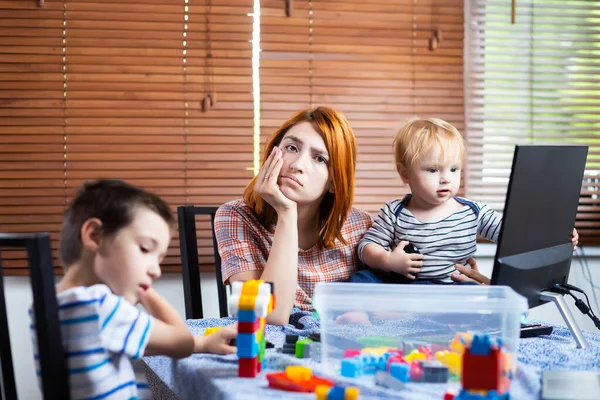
[(407, 264), (218, 342), (353, 318), (575, 239)]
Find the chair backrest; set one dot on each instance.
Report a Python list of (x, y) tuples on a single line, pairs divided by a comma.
[(52, 358), (188, 246)]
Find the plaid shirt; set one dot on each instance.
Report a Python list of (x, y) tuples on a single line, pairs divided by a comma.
[(244, 245)]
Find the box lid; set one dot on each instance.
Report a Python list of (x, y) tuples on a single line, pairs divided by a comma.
[(417, 298)]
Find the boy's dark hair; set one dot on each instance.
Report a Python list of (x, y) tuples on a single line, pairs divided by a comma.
[(111, 201)]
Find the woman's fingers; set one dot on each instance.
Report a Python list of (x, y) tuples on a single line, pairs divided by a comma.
[(264, 171), (275, 170)]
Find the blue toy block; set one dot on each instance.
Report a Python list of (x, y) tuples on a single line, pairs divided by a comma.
[(369, 363), (247, 347), (481, 345), (336, 393), (246, 316), (351, 367), (400, 371), (382, 362), (490, 395)]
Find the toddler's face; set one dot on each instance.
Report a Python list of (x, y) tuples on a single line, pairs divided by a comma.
[(434, 179), (129, 261)]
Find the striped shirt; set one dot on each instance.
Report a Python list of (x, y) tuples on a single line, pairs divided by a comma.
[(102, 335), (443, 243), (244, 245)]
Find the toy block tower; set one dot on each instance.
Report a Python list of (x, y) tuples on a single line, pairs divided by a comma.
[(484, 366), (251, 302)]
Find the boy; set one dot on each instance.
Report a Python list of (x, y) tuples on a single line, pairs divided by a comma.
[(438, 227), (113, 238)]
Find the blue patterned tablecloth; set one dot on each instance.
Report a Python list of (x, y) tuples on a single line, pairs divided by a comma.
[(215, 377)]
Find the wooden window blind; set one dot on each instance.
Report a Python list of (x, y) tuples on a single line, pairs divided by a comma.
[(370, 60), (115, 90), (532, 82)]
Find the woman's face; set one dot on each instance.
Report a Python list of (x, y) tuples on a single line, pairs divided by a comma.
[(304, 176)]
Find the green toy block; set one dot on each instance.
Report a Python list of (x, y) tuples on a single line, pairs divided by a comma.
[(300, 347)]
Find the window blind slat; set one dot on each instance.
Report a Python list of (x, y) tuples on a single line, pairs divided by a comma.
[(113, 89), (533, 82)]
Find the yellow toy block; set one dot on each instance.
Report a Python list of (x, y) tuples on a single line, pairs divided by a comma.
[(460, 341), (375, 350), (298, 373), (451, 360), (247, 302), (414, 355), (270, 306), (322, 391), (351, 393), (250, 288), (210, 331)]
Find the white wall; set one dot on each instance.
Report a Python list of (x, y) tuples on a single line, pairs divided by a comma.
[(18, 298)]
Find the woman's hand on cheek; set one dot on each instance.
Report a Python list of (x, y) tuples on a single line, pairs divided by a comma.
[(266, 183)]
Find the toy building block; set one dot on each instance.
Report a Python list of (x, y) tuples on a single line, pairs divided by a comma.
[(336, 393), (386, 380), (349, 353), (313, 351), (352, 367), (321, 392), (297, 379), (451, 360), (211, 330), (409, 346), (397, 358), (251, 302), (299, 351), (415, 355), (370, 363), (434, 372), (483, 366), (449, 395), (416, 372), (351, 393), (247, 367), (480, 395), (289, 346), (400, 372)]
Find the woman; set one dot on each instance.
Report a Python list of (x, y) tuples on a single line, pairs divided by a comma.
[(295, 225)]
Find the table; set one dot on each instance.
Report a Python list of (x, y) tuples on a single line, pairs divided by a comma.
[(215, 377)]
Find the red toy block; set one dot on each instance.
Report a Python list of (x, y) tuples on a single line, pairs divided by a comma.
[(483, 372), (248, 327), (394, 359), (248, 367), (349, 353), (426, 351), (416, 372), (449, 395), (280, 380)]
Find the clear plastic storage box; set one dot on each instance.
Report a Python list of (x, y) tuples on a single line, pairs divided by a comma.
[(356, 317)]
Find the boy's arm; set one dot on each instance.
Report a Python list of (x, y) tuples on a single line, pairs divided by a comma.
[(407, 264), (218, 342), (380, 234), (375, 247), (169, 335)]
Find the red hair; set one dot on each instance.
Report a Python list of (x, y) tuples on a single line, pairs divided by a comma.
[(341, 146)]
